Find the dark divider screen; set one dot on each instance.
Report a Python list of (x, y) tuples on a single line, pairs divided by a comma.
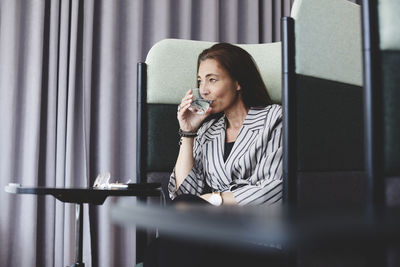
[(391, 107), (163, 137), (329, 125)]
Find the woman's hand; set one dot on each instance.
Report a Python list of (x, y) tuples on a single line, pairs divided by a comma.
[(189, 121)]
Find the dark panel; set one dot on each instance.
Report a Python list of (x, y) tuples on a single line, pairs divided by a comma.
[(392, 191), (329, 125), (162, 139), (344, 256), (332, 189), (163, 179), (393, 258), (391, 108)]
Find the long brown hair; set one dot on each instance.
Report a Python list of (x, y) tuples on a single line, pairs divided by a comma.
[(242, 68)]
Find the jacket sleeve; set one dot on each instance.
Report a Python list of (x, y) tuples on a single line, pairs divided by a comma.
[(195, 181), (267, 188)]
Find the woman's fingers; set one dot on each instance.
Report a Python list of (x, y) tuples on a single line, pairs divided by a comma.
[(184, 106), (189, 121), (188, 96), (185, 102), (189, 92)]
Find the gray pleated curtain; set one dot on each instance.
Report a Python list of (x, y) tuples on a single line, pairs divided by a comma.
[(68, 108)]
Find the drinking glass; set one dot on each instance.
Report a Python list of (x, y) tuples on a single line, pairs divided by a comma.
[(199, 104)]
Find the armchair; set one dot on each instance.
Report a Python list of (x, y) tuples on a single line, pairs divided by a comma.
[(169, 71)]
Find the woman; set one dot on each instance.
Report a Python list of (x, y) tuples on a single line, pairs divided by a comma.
[(230, 155), (238, 153)]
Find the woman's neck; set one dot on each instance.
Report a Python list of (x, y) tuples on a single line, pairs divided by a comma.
[(236, 115)]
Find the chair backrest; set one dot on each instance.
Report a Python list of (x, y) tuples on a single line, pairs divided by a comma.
[(323, 104), (172, 70), (328, 40), (381, 42)]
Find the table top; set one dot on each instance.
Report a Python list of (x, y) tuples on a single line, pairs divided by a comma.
[(88, 195), (262, 225)]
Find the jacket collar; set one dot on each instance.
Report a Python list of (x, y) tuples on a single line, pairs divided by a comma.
[(254, 121)]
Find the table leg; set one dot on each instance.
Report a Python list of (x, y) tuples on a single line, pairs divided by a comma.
[(78, 235)]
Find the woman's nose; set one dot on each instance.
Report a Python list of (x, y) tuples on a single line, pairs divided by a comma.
[(204, 90)]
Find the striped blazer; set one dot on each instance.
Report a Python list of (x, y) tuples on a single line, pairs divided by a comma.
[(253, 170)]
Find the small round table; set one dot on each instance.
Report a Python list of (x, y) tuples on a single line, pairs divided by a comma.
[(79, 196)]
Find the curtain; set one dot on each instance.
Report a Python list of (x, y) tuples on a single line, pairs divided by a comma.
[(68, 108)]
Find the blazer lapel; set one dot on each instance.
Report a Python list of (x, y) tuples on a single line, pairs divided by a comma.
[(217, 140), (253, 123)]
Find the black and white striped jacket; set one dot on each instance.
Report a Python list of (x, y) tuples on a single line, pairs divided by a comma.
[(253, 170)]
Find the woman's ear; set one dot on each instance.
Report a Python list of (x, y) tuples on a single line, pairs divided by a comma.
[(238, 87)]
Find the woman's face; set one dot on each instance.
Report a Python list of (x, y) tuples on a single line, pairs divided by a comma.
[(217, 85)]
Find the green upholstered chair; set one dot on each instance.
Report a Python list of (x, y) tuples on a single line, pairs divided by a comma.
[(323, 102), (169, 71), (323, 114), (381, 47)]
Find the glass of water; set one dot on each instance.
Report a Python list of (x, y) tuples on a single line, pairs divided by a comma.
[(199, 104)]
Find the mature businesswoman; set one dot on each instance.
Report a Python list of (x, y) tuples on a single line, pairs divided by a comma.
[(236, 156), (231, 155)]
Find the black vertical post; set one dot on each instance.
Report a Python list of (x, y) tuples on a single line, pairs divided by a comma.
[(141, 136), (373, 123), (373, 108), (141, 149), (78, 235), (289, 125), (289, 111)]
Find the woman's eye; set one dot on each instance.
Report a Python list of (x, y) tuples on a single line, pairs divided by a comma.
[(212, 80), (198, 82)]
